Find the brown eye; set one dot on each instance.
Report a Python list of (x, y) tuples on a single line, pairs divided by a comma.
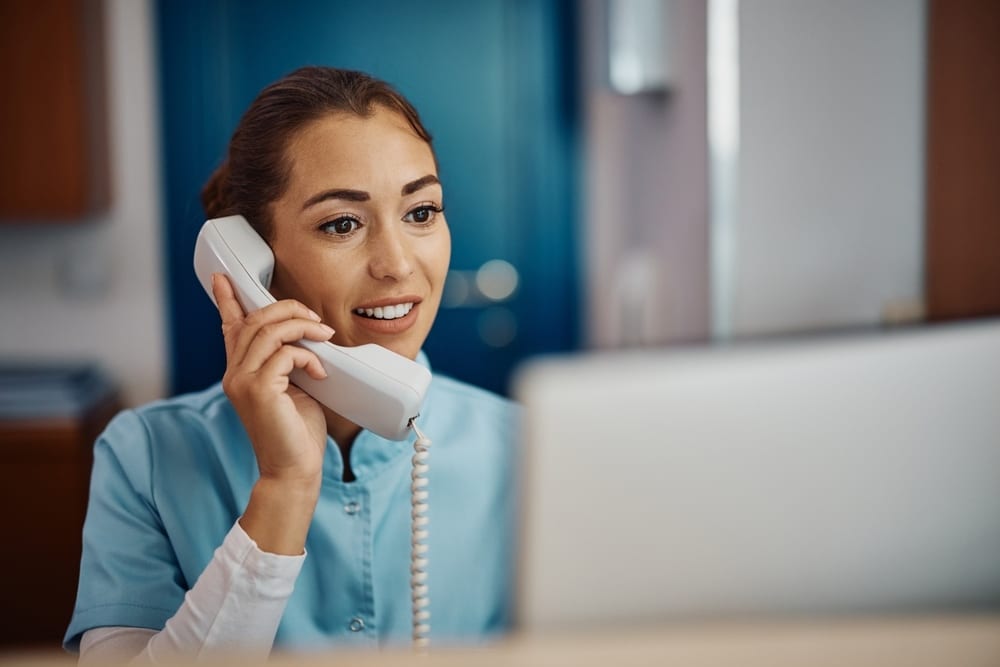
[(422, 215), (340, 226)]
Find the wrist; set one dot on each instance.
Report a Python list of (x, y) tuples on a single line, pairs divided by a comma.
[(279, 512), (292, 487)]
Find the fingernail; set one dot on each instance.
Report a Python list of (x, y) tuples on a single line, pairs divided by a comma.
[(313, 315), (327, 329)]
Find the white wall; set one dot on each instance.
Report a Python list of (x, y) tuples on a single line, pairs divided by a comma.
[(645, 191), (95, 290), (829, 226)]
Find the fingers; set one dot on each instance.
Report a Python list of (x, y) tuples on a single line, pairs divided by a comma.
[(290, 357), (225, 298), (258, 345), (262, 385), (241, 331), (231, 311), (266, 320), (268, 339)]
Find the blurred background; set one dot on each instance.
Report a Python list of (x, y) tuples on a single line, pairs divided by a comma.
[(618, 173)]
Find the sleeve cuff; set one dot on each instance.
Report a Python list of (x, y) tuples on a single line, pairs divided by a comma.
[(272, 573)]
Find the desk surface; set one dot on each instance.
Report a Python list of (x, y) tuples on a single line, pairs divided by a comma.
[(911, 641)]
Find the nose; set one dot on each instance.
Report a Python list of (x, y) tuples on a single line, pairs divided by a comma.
[(389, 253)]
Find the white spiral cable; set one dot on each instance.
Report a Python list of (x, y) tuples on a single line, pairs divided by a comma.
[(418, 540)]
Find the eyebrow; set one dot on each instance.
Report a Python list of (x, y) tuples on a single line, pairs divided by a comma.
[(361, 195), (413, 186)]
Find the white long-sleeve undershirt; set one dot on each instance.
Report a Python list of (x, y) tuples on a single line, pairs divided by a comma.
[(234, 607)]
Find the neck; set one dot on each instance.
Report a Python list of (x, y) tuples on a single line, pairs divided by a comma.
[(343, 432)]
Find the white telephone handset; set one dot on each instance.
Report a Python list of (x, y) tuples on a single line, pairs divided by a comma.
[(373, 387)]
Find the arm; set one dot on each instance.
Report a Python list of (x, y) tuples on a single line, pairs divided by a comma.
[(243, 591), (234, 607), (286, 426)]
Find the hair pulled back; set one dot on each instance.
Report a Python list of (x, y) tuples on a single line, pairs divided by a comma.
[(256, 169)]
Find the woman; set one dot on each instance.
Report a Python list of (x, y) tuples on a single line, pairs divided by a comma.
[(249, 515)]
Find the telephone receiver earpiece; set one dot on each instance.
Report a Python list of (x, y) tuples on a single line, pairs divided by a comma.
[(372, 386)]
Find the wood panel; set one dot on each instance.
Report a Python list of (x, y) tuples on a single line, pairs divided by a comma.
[(963, 159), (44, 484), (53, 137)]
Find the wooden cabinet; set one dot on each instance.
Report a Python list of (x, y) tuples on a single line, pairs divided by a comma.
[(44, 483), (53, 125), (963, 159)]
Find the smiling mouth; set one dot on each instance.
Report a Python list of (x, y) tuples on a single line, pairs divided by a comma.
[(392, 312)]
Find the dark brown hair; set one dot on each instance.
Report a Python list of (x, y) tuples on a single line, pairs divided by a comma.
[(255, 171)]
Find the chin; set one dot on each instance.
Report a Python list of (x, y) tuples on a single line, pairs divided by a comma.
[(407, 350)]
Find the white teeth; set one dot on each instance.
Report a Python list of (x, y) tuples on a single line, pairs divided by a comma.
[(386, 312)]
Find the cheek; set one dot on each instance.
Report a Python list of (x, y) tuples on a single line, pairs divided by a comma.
[(319, 280), (439, 258)]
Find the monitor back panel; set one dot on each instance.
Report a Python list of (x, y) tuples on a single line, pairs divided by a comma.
[(853, 474)]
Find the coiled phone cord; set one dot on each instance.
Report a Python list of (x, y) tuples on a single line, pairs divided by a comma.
[(418, 540)]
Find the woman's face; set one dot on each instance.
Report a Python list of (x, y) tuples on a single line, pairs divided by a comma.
[(359, 235)]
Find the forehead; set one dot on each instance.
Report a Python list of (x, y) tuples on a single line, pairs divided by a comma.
[(345, 150)]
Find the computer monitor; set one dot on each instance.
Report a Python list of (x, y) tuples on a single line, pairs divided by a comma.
[(846, 474)]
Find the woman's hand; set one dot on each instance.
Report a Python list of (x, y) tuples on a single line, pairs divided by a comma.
[(286, 426)]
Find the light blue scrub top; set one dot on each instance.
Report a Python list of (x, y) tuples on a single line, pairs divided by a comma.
[(171, 478)]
